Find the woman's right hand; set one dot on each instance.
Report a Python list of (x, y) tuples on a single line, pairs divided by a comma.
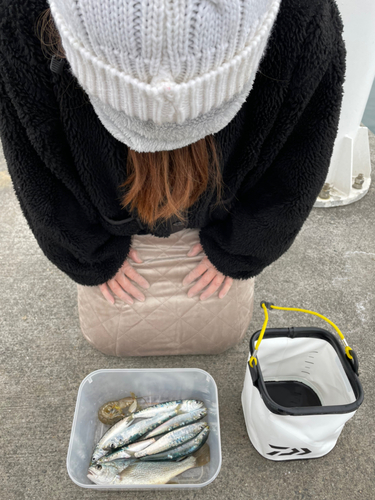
[(120, 284)]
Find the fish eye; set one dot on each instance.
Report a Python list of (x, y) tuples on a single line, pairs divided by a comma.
[(99, 467)]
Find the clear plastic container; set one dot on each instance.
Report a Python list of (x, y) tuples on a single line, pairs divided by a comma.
[(156, 385)]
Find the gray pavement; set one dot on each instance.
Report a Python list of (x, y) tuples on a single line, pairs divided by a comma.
[(43, 358)]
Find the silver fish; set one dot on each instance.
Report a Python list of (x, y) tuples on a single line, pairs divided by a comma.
[(173, 439), (186, 406), (181, 451), (101, 447), (127, 451), (121, 433), (137, 472), (105, 472), (178, 421)]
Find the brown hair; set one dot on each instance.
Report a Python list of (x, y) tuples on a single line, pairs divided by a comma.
[(163, 183)]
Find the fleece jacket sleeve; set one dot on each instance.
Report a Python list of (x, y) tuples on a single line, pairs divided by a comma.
[(56, 208), (267, 216)]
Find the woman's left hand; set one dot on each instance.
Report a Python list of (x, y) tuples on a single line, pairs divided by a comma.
[(211, 275)]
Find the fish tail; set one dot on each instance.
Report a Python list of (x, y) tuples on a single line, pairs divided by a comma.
[(130, 453), (133, 407), (179, 410), (148, 435), (130, 418), (201, 456), (189, 462)]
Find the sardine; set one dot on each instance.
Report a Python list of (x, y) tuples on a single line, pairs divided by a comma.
[(178, 421), (186, 406), (136, 472), (123, 433), (101, 448), (127, 451), (182, 451), (172, 439)]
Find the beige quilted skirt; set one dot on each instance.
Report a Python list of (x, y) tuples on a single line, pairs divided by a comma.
[(168, 321)]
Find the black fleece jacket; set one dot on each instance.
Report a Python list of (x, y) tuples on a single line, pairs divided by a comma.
[(66, 167)]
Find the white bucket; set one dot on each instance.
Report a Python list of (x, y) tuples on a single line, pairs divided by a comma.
[(300, 391)]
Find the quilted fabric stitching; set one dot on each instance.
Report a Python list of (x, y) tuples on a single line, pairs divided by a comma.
[(128, 332), (145, 320), (200, 330), (100, 322)]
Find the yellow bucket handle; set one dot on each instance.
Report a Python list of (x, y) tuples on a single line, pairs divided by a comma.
[(264, 305)]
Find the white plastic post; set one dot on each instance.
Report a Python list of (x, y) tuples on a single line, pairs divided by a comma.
[(351, 152)]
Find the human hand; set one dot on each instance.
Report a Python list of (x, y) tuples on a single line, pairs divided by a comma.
[(120, 284), (211, 275)]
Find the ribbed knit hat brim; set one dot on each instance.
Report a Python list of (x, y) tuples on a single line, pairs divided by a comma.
[(147, 136)]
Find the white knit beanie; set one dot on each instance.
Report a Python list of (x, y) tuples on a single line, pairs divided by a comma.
[(162, 74)]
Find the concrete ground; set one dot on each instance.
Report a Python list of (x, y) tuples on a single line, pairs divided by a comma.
[(329, 269)]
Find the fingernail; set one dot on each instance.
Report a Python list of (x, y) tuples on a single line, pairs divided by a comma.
[(203, 298), (130, 301), (190, 295), (141, 299)]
